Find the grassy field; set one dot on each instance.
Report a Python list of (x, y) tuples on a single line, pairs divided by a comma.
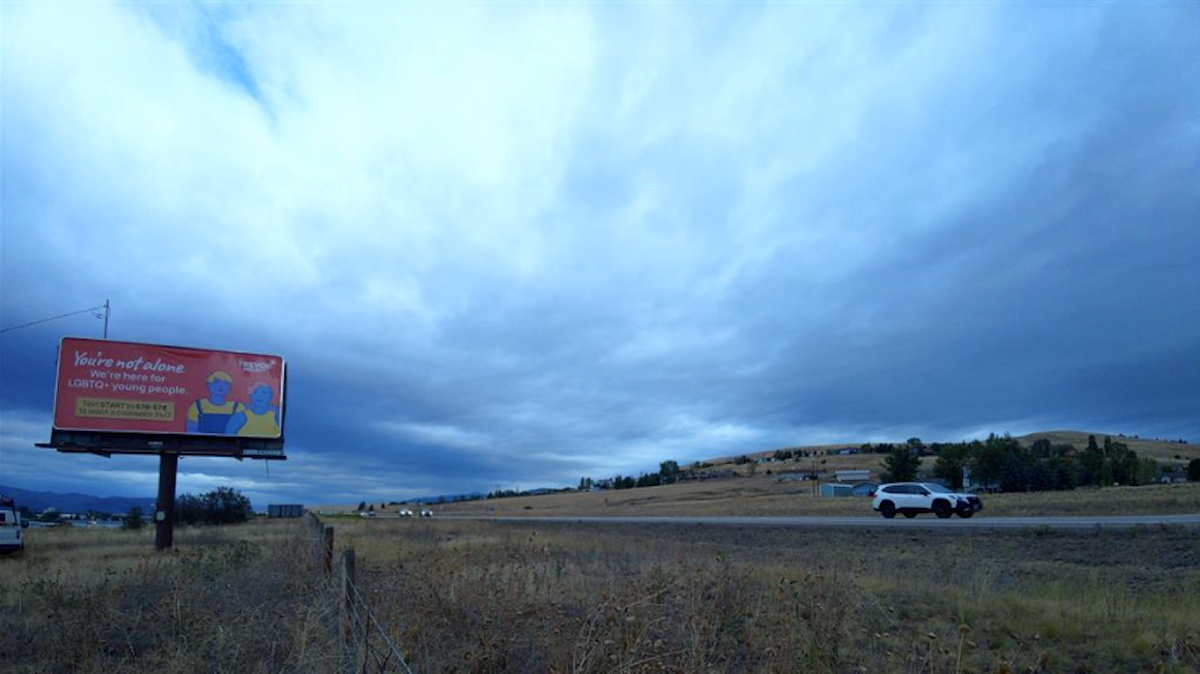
[(761, 495), (503, 597), (235, 599), (486, 597)]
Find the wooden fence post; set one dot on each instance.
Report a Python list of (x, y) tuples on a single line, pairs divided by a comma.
[(314, 531), (327, 552), (349, 655)]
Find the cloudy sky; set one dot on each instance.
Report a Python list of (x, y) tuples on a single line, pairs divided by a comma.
[(508, 245)]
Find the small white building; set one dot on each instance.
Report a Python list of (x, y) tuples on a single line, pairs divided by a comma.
[(857, 475), (861, 489)]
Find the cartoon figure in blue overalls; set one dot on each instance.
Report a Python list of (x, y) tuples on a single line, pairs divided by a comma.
[(212, 414), (259, 418)]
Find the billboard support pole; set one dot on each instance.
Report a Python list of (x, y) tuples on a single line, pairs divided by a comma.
[(164, 516)]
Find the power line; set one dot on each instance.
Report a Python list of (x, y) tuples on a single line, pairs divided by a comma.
[(55, 318)]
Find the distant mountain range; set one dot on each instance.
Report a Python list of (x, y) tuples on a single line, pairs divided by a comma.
[(76, 503), (445, 498)]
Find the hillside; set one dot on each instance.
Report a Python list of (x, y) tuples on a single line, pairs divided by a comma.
[(1166, 451), (762, 494), (1161, 450), (76, 503)]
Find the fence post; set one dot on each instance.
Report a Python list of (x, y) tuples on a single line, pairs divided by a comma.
[(314, 531), (327, 553), (349, 656)]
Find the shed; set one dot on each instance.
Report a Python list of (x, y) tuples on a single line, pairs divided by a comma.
[(857, 475), (285, 510), (864, 489), (836, 489)]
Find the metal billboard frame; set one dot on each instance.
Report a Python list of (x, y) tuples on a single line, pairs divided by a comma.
[(168, 447)]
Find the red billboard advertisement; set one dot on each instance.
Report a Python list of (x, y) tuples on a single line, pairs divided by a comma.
[(146, 388)]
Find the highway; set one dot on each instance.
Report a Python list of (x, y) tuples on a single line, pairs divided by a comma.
[(921, 522)]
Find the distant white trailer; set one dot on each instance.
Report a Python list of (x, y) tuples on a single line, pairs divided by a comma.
[(862, 475), (10, 526)]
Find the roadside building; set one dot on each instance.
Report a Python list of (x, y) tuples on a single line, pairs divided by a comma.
[(799, 475), (864, 489), (285, 510), (830, 489), (857, 475), (861, 490)]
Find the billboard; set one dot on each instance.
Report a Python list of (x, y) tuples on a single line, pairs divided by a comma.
[(126, 387)]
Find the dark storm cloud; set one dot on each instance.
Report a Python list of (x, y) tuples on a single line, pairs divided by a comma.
[(517, 247)]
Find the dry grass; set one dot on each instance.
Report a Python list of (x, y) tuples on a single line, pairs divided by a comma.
[(228, 599), (499, 597), (486, 597), (1167, 499)]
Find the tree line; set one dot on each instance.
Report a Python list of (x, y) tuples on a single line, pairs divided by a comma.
[(223, 505), (1004, 463), (999, 462), (669, 472)]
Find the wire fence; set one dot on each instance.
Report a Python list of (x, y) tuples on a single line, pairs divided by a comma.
[(374, 650), (367, 647)]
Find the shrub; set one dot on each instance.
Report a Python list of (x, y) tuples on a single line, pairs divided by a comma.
[(224, 505), (132, 519)]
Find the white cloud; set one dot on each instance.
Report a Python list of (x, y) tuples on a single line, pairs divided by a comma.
[(435, 434)]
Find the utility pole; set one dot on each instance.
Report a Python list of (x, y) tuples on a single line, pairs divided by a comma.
[(107, 308)]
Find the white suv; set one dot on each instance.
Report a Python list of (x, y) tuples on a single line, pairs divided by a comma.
[(10, 527), (912, 498)]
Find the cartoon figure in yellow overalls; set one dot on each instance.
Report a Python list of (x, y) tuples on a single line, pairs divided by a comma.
[(259, 419), (211, 414)]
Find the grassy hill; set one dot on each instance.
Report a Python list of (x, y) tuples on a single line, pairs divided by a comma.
[(756, 491), (1160, 450), (1165, 451)]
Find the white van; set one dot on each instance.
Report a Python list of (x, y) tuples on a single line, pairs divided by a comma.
[(10, 527)]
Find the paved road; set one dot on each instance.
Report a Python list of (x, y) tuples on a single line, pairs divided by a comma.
[(919, 522)]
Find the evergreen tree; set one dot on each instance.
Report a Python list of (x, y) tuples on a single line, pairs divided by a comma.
[(950, 462), (901, 465), (668, 471), (132, 519)]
